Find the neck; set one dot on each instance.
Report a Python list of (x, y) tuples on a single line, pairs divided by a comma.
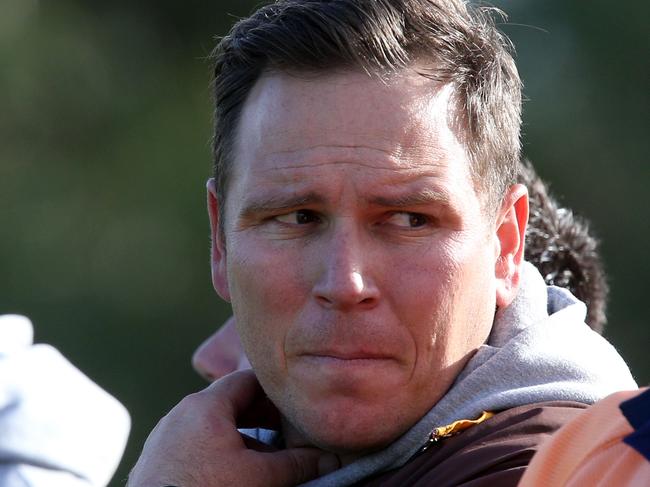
[(293, 438)]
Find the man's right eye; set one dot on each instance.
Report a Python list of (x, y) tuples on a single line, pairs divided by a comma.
[(298, 217)]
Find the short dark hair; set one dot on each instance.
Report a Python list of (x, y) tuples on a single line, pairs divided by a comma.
[(455, 42), (564, 249)]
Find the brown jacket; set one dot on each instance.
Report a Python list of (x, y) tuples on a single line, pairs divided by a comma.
[(494, 453)]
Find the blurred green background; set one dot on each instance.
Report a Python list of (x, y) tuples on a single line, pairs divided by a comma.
[(105, 123)]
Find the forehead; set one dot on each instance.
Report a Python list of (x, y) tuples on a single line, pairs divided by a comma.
[(340, 108), (295, 125)]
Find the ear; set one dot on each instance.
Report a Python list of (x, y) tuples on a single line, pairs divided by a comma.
[(510, 233), (218, 249)]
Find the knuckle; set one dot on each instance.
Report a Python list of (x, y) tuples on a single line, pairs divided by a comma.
[(299, 467), (191, 401), (195, 404)]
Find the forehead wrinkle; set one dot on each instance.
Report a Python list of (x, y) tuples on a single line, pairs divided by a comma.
[(328, 164), (405, 187), (378, 136), (397, 159), (303, 175), (320, 148), (328, 154), (410, 135)]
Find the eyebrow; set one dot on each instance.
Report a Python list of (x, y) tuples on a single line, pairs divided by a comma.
[(419, 198), (267, 204)]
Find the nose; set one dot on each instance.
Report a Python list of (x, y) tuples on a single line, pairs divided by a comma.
[(345, 280), (220, 354)]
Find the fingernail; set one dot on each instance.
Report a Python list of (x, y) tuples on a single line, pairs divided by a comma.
[(328, 463)]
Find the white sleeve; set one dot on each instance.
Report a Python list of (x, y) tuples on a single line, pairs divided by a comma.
[(57, 427)]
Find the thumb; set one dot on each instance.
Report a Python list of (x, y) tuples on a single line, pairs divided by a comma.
[(298, 465)]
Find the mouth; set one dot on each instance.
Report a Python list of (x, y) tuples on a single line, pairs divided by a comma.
[(360, 373), (350, 374), (345, 359), (347, 355)]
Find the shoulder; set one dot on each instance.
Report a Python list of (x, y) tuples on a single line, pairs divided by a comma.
[(494, 453)]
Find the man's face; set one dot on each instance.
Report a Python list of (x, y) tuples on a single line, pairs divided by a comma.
[(359, 262)]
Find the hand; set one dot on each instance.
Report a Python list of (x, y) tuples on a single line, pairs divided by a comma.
[(221, 353), (197, 444)]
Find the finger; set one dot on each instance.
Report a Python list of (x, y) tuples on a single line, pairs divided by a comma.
[(240, 400), (298, 465), (235, 393)]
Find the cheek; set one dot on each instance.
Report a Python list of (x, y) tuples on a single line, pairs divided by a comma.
[(267, 289), (473, 300), (421, 292), (423, 279), (265, 277), (444, 299)]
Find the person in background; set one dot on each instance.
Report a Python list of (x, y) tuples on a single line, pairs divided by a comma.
[(564, 249), (607, 445), (57, 427)]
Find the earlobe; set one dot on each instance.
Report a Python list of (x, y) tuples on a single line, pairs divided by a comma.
[(218, 248), (511, 232)]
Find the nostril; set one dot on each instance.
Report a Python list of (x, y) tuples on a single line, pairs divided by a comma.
[(368, 303), (323, 300), (345, 301)]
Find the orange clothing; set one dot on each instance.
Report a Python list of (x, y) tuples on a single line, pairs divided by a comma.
[(590, 451)]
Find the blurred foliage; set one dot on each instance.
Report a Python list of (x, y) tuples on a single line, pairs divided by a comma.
[(104, 151)]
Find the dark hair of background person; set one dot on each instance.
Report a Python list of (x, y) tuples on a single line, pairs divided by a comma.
[(561, 245), (448, 41)]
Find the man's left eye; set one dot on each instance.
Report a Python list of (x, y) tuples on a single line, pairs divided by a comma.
[(407, 219)]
